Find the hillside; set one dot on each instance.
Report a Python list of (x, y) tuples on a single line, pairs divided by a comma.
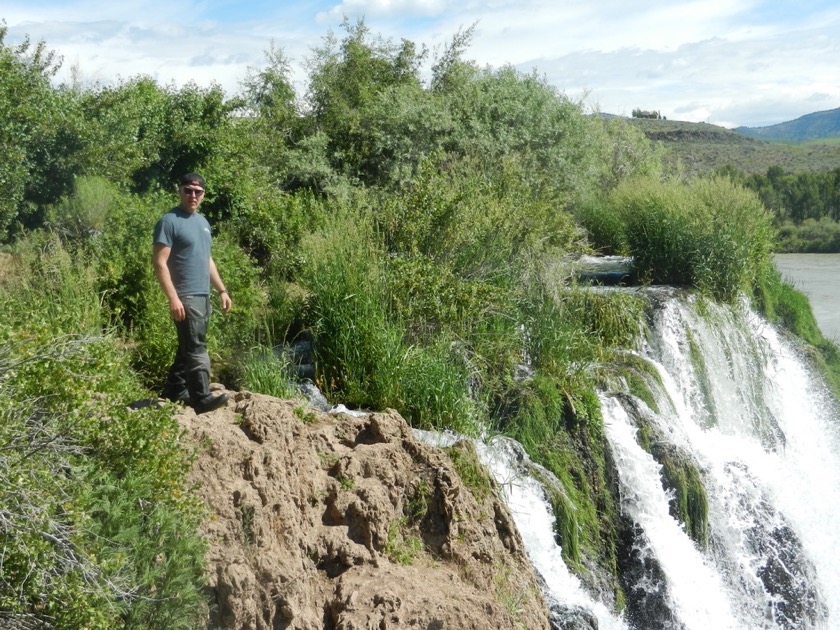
[(702, 147), (815, 126)]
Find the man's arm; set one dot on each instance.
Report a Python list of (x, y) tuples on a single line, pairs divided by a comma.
[(160, 256), (216, 281)]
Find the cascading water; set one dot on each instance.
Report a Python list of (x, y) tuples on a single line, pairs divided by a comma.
[(571, 605), (738, 403)]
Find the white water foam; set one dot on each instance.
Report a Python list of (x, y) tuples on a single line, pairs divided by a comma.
[(694, 588), (739, 400), (758, 483), (526, 499)]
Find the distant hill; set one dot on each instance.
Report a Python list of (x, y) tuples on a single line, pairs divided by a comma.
[(816, 126), (697, 148)]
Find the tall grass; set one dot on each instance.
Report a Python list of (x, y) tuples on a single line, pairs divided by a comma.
[(366, 354), (709, 233), (263, 371), (51, 286), (358, 346)]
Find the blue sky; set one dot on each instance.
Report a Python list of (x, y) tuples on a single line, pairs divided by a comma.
[(727, 62)]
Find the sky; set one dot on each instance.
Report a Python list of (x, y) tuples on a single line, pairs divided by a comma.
[(726, 62)]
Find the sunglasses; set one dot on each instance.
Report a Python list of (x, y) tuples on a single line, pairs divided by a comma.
[(193, 191)]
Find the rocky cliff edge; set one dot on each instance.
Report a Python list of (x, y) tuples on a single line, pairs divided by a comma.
[(347, 522)]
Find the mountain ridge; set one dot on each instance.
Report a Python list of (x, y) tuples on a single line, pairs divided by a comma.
[(813, 126)]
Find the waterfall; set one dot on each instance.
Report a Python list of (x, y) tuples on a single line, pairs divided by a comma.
[(737, 402), (571, 605), (740, 401)]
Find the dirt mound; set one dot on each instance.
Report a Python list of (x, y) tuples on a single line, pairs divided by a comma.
[(346, 522)]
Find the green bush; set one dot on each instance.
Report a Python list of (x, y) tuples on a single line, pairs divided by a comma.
[(103, 527), (710, 234), (811, 236), (477, 220), (271, 228), (84, 213), (99, 529)]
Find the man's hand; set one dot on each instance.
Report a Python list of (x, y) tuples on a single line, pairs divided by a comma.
[(226, 303), (176, 309)]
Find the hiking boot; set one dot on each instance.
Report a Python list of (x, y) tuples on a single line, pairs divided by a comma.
[(201, 400), (182, 396), (210, 402)]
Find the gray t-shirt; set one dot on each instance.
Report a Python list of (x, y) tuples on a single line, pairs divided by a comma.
[(188, 236)]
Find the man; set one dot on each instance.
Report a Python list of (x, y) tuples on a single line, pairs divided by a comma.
[(186, 271)]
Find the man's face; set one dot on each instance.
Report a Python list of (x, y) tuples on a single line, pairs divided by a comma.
[(191, 196)]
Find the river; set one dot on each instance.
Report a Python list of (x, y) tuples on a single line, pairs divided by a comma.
[(818, 277)]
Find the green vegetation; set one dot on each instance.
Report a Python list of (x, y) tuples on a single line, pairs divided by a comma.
[(709, 233), (788, 307), (418, 233), (470, 470), (796, 180), (97, 526), (690, 504), (263, 371)]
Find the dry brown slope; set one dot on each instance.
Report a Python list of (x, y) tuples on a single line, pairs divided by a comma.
[(334, 521)]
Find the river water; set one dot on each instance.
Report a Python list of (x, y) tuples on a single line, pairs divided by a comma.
[(818, 277)]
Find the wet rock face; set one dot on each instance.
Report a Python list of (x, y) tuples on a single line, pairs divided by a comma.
[(789, 578), (566, 618), (323, 521), (643, 582)]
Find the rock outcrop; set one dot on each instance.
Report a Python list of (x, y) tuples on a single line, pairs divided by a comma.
[(348, 522)]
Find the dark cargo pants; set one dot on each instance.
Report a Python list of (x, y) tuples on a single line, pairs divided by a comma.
[(191, 358)]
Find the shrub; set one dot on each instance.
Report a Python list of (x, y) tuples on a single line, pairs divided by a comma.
[(479, 221), (710, 234), (232, 334), (270, 230), (85, 213), (98, 527)]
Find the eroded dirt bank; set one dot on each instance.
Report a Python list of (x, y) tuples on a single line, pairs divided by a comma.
[(335, 521)]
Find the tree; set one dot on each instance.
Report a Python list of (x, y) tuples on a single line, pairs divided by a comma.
[(347, 81), (269, 92), (27, 110)]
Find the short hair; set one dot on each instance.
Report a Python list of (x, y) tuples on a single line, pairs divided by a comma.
[(192, 178)]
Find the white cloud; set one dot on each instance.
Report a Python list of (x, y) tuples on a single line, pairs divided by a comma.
[(740, 61), (379, 8), (703, 80)]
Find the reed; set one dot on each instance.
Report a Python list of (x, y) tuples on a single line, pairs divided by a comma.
[(709, 233)]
